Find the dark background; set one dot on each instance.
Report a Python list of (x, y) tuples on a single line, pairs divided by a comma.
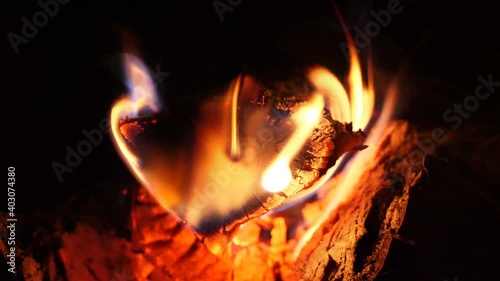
[(66, 77)]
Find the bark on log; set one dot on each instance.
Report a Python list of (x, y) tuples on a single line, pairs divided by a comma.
[(353, 243)]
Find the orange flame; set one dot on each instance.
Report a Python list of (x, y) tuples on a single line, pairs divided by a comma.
[(235, 142), (224, 179), (355, 105), (354, 169), (356, 108), (362, 100)]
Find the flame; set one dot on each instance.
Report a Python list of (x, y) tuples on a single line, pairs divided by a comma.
[(354, 169), (333, 90), (235, 143), (355, 107), (362, 101), (220, 183), (142, 95), (214, 180), (223, 178), (227, 165), (278, 176)]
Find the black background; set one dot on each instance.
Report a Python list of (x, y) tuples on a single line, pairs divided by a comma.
[(65, 79)]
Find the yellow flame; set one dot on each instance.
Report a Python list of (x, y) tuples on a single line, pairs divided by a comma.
[(124, 105), (362, 101), (355, 107), (353, 171), (222, 182), (142, 95), (329, 85), (278, 175), (235, 143)]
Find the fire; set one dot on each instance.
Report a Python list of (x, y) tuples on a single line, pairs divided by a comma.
[(224, 166), (223, 178), (209, 179), (353, 170), (362, 100), (235, 142), (142, 95), (278, 175), (355, 105)]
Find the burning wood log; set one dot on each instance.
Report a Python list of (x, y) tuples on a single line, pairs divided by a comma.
[(385, 210), (328, 141), (351, 244)]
